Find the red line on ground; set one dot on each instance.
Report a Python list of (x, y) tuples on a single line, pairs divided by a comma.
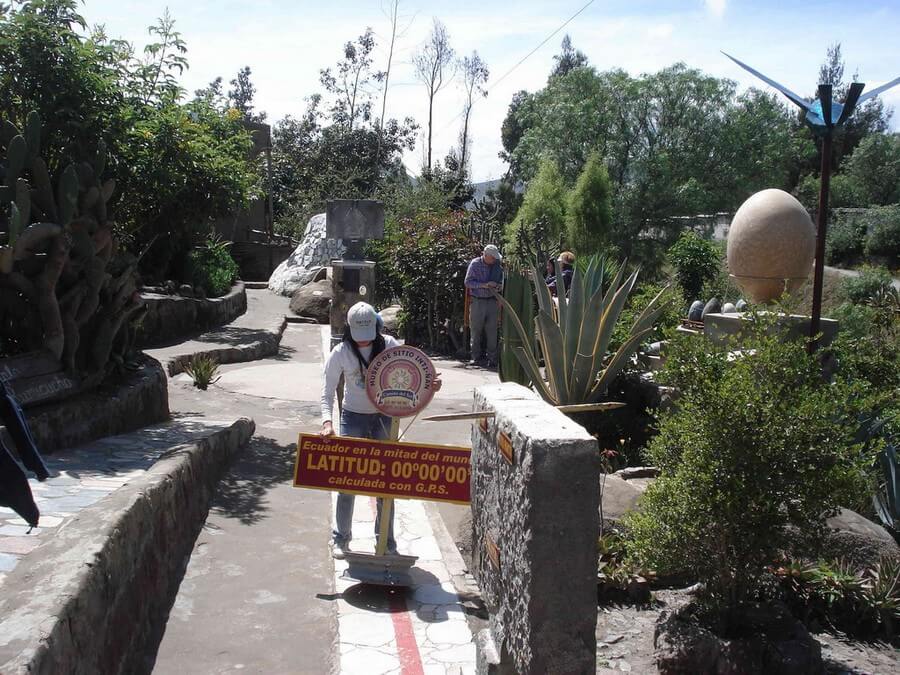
[(407, 647)]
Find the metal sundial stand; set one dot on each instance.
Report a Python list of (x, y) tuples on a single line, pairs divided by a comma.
[(382, 568)]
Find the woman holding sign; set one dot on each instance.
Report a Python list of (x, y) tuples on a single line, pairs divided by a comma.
[(361, 343)]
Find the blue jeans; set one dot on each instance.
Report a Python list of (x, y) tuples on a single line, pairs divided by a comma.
[(360, 425)]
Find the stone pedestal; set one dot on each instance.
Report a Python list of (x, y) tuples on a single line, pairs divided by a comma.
[(352, 281), (721, 327), (535, 523)]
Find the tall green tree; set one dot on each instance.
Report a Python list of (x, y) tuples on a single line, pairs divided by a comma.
[(543, 211), (874, 170), (336, 147), (568, 59), (241, 95), (589, 212)]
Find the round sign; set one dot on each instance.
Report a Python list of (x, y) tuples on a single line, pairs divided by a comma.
[(400, 381)]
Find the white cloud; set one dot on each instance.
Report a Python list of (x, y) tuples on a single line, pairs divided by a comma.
[(716, 7), (660, 31)]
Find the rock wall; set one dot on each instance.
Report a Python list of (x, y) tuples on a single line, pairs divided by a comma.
[(257, 260), (172, 318), (95, 597), (534, 525), (110, 409), (313, 252)]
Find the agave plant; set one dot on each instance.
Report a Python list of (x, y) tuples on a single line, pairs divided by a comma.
[(574, 334), (204, 370)]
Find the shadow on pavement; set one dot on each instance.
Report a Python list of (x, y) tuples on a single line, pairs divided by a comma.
[(242, 491)]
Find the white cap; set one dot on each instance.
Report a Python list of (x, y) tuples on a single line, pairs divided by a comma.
[(492, 251), (362, 321)]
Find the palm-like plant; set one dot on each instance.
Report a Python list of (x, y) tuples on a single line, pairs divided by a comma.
[(575, 332)]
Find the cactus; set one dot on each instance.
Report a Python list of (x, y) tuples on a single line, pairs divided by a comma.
[(32, 136), (16, 153), (15, 224), (517, 292), (42, 192), (8, 131), (68, 195), (62, 262), (99, 163), (23, 206)]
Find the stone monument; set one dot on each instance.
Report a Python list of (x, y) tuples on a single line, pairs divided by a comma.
[(353, 221), (535, 523), (771, 248), (771, 245)]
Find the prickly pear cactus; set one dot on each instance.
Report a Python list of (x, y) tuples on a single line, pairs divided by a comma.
[(56, 253)]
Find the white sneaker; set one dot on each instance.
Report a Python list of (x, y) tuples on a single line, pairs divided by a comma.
[(339, 551)]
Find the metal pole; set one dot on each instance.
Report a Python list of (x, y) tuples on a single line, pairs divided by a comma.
[(821, 231), (387, 503)]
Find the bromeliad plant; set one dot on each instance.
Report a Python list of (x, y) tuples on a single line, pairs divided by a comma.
[(574, 334)]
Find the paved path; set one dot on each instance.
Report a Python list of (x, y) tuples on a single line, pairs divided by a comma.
[(82, 476), (255, 333), (855, 273), (261, 593)]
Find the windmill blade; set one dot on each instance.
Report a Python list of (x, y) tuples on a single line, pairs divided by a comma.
[(872, 94), (850, 104), (799, 100), (825, 102)]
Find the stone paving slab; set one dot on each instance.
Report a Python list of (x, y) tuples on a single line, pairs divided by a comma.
[(82, 476), (423, 629)]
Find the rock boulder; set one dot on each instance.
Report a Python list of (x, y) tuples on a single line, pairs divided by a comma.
[(313, 300), (305, 264), (852, 537), (391, 319)]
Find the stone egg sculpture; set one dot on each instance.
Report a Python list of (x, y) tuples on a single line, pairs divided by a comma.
[(771, 245)]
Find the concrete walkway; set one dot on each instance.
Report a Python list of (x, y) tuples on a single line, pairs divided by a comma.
[(253, 335), (261, 593), (855, 273), (82, 476)]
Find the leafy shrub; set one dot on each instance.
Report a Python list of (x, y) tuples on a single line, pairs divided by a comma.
[(871, 280), (757, 443), (884, 234), (212, 266), (861, 603), (666, 323), (696, 261), (423, 262), (846, 238)]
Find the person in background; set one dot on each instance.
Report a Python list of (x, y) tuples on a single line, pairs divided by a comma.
[(566, 261), (484, 279)]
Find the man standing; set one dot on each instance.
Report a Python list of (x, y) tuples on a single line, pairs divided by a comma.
[(483, 278)]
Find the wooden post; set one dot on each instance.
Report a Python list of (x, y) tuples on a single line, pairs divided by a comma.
[(387, 503), (821, 231)]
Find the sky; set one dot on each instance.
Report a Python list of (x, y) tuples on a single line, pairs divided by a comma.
[(287, 43)]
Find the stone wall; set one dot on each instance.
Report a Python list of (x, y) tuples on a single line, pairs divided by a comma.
[(172, 318), (110, 409), (257, 260), (94, 598), (535, 521)]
